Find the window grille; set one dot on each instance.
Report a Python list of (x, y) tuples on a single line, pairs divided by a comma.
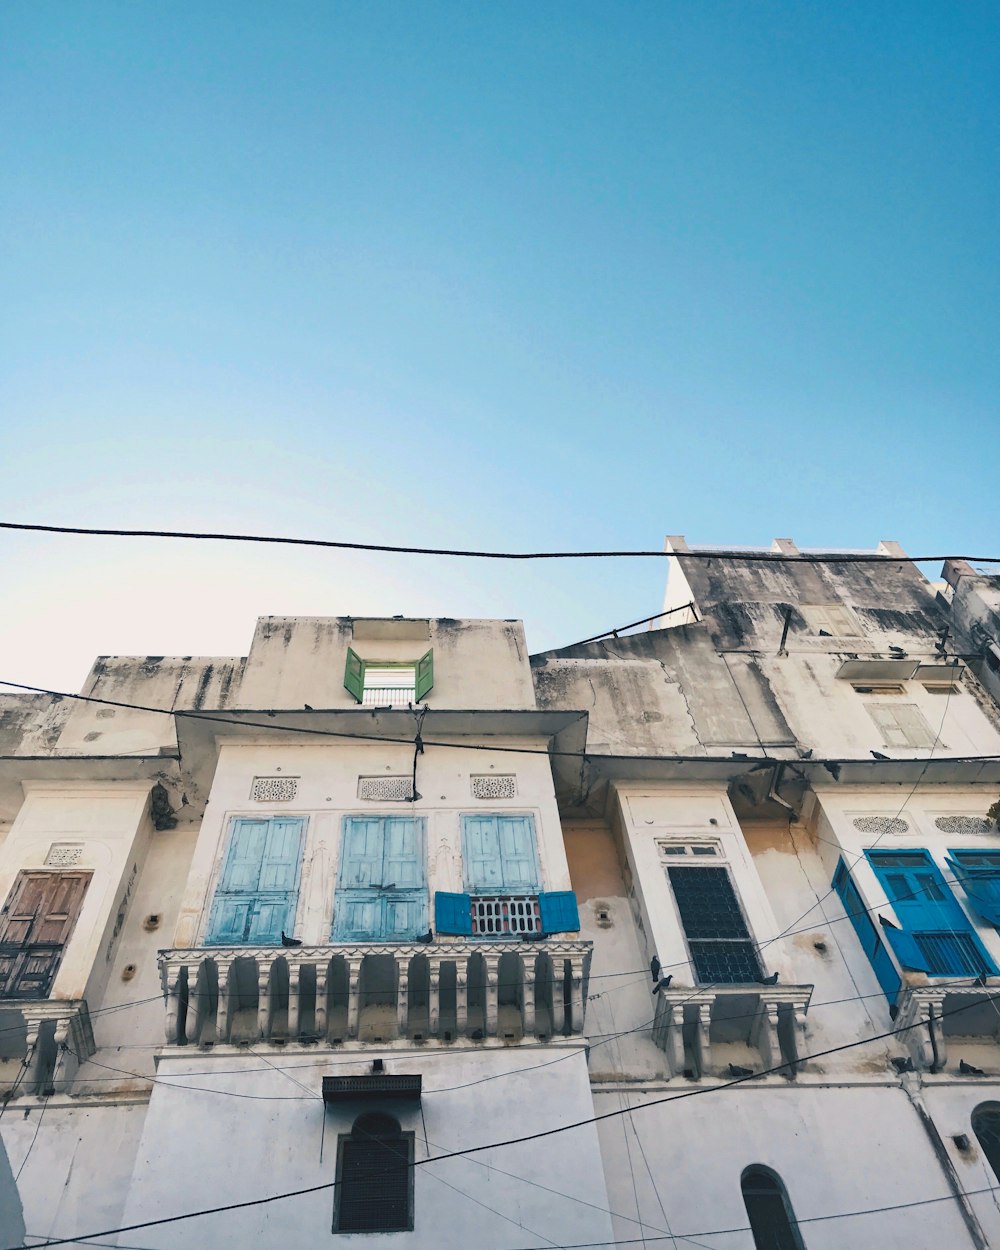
[(64, 855), (385, 788), (772, 1220), (951, 954), (274, 789), (964, 824), (491, 786), (881, 825), (499, 914), (389, 687), (721, 947), (374, 1178)]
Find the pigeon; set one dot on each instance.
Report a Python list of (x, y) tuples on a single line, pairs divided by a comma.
[(887, 924), (902, 1063), (736, 1071), (663, 984), (476, 1035), (966, 1069), (806, 755), (771, 980), (897, 652), (980, 981), (287, 941), (654, 968), (308, 708), (879, 756), (426, 938), (533, 937)]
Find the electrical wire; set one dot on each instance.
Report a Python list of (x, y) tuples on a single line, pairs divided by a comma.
[(822, 557)]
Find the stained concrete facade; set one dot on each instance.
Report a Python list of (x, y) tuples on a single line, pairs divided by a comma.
[(757, 733)]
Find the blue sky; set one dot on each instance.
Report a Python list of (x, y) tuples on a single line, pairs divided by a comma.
[(513, 276)]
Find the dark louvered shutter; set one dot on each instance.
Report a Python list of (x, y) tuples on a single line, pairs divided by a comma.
[(374, 1185)]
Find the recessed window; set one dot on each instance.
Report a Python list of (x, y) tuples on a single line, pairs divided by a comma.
[(772, 1220), (676, 850), (722, 950), (901, 725), (383, 683), (374, 1192), (986, 1126), (831, 620), (884, 689)]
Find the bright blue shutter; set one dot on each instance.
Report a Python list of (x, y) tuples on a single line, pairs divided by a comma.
[(906, 950), (559, 912), (452, 913), (982, 885), (860, 918)]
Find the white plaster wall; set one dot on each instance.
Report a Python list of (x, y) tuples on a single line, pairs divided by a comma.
[(836, 1149), (202, 1149), (327, 792), (109, 820)]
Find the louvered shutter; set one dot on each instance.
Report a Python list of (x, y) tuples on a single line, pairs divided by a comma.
[(424, 675), (354, 675), (559, 912)]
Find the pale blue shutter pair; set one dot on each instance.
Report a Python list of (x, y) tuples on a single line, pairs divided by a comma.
[(382, 892), (259, 888), (500, 855)]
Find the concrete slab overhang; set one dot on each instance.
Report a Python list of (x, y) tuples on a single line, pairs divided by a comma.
[(15, 770), (200, 734)]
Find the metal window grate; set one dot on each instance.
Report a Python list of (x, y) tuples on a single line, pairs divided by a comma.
[(274, 789), (511, 913), (721, 947), (964, 824), (393, 788), (374, 1185), (388, 696), (881, 825), (494, 786), (950, 954), (387, 1085)]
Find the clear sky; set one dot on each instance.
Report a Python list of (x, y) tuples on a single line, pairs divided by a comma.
[(510, 275)]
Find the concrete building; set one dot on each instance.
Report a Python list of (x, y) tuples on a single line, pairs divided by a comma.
[(705, 914)]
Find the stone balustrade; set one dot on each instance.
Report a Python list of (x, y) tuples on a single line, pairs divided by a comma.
[(961, 1009), (699, 1028), (57, 1038), (374, 992)]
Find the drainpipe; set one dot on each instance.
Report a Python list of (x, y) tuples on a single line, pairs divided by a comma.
[(910, 1082), (773, 792)]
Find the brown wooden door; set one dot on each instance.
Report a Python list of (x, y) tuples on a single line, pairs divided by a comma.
[(35, 925)]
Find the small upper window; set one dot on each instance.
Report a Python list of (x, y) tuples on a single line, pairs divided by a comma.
[(772, 1220), (382, 683), (902, 724), (831, 620), (374, 1192)]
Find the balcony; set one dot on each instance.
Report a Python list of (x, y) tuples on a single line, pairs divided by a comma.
[(703, 1030), (50, 1038), (374, 992), (963, 1011)]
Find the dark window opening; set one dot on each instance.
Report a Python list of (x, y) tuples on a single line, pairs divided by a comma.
[(721, 947), (986, 1126), (772, 1220), (374, 1191)]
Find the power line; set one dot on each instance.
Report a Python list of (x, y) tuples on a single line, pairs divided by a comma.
[(552, 1132), (823, 557)]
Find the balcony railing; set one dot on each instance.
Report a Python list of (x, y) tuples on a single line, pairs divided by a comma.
[(51, 1038), (694, 1026), (962, 1010), (372, 992)]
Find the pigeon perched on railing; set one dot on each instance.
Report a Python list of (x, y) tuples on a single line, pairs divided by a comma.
[(289, 941)]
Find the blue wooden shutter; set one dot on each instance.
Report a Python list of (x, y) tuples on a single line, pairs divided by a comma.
[(402, 856), (481, 852), (982, 885), (424, 676), (381, 891), (452, 913), (361, 860), (258, 891), (871, 944), (354, 675), (518, 853), (906, 950), (559, 912)]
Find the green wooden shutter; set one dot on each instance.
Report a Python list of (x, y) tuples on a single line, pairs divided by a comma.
[(425, 675), (354, 675)]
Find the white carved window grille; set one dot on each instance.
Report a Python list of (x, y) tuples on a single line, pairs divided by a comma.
[(881, 825), (499, 914), (385, 788), (491, 786), (64, 854), (964, 824), (389, 687), (274, 789)]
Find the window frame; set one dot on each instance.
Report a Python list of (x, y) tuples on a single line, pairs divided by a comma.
[(421, 667), (408, 1138), (776, 1188), (891, 712)]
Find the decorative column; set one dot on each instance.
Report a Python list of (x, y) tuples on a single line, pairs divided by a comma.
[(767, 1035), (528, 994), (32, 1056), (194, 1015), (557, 991), (353, 994), (434, 995), (294, 974), (798, 1037), (173, 1002), (223, 967), (576, 993), (264, 998), (402, 994), (491, 964), (462, 996), (704, 1038), (322, 971)]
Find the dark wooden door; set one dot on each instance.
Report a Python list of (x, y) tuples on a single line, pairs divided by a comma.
[(35, 925)]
